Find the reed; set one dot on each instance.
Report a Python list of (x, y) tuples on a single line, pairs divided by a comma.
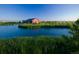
[(38, 45)]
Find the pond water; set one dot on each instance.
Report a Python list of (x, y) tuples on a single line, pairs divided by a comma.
[(14, 31)]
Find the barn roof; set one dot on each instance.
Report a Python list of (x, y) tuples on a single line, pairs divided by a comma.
[(31, 19)]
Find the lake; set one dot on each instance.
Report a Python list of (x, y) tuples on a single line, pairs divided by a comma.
[(13, 31)]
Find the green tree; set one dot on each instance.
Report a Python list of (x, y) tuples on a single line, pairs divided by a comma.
[(77, 22), (75, 30)]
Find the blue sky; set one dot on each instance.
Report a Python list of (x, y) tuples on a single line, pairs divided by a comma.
[(52, 12)]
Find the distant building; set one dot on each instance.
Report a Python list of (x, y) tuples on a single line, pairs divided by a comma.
[(33, 20)]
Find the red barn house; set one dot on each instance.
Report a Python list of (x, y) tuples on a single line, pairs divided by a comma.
[(32, 20), (35, 21)]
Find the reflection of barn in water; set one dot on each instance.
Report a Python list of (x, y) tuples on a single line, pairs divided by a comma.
[(32, 20)]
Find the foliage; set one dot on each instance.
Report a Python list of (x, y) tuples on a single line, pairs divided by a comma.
[(75, 30), (77, 22)]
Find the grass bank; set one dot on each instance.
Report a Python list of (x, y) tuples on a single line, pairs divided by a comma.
[(8, 23), (51, 24), (39, 45)]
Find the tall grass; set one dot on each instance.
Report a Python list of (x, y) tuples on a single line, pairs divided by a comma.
[(38, 45)]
